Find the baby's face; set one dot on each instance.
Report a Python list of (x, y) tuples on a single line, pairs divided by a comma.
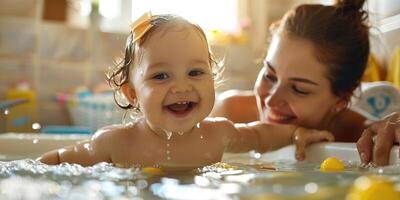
[(173, 81)]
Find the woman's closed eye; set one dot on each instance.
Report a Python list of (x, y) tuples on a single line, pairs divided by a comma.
[(300, 91), (270, 77)]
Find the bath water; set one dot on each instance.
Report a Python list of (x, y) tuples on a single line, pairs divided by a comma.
[(239, 177)]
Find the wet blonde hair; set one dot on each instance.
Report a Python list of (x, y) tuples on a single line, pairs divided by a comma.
[(119, 74)]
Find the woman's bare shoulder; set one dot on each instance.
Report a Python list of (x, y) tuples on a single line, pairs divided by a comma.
[(348, 126), (237, 105), (216, 124), (236, 95), (218, 128)]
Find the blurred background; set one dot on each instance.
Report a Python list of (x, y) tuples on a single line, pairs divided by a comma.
[(54, 53)]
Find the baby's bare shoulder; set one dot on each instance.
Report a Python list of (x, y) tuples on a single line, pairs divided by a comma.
[(113, 133), (218, 123)]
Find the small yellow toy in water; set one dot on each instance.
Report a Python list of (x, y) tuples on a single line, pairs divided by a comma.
[(152, 170), (331, 164), (371, 188)]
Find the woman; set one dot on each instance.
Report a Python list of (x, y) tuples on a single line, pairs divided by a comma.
[(315, 61)]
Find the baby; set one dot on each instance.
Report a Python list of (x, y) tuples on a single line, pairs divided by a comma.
[(168, 75)]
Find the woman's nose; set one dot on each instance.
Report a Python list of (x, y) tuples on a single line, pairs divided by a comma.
[(181, 86), (276, 97)]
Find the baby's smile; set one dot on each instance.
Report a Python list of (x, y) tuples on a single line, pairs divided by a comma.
[(181, 108)]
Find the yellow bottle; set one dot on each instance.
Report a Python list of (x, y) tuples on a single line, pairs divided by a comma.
[(19, 118), (393, 74), (373, 71)]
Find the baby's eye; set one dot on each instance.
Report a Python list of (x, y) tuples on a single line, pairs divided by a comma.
[(160, 76), (196, 72)]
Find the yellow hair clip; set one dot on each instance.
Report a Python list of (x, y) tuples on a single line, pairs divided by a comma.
[(141, 26)]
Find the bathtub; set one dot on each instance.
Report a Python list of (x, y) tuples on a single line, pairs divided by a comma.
[(234, 180), (15, 146), (20, 146)]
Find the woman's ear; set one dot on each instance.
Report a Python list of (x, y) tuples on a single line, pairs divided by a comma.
[(129, 93), (341, 105)]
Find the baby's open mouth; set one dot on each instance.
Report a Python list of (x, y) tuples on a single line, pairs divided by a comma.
[(181, 108)]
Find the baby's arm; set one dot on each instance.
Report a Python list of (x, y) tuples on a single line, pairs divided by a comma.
[(264, 137), (85, 153)]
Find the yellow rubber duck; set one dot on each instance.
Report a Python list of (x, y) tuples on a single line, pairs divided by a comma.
[(331, 164), (372, 188)]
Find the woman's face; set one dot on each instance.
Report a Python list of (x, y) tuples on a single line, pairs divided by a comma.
[(293, 86)]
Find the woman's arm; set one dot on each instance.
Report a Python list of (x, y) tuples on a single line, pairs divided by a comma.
[(238, 106)]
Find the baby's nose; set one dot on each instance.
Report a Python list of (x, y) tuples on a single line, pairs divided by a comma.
[(182, 86)]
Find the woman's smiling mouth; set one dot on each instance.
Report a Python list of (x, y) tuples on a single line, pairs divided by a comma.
[(275, 117)]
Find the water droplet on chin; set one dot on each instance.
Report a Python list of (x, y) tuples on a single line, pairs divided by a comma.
[(6, 112), (169, 134), (201, 136)]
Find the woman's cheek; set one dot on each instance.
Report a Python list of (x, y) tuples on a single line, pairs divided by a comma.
[(263, 89)]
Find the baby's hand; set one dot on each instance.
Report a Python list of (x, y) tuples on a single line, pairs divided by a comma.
[(303, 137)]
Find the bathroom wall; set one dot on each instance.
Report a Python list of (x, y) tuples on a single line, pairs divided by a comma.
[(386, 17), (56, 57)]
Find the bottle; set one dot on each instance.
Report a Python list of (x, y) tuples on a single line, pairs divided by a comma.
[(21, 117)]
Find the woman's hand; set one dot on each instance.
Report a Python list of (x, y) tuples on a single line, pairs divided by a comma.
[(377, 150), (303, 137)]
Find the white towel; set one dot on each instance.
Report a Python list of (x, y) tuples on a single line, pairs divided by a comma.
[(377, 99)]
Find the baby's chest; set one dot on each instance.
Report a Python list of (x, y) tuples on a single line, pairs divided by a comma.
[(139, 154), (193, 153)]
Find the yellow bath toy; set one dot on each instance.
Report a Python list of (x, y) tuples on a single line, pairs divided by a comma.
[(371, 188), (331, 164), (152, 170), (373, 71)]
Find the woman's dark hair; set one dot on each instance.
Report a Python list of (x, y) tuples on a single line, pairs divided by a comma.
[(119, 74), (340, 36)]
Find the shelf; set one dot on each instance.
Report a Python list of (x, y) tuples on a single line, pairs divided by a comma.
[(17, 19), (390, 24), (28, 58)]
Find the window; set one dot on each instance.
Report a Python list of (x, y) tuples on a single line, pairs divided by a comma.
[(109, 9), (209, 14)]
